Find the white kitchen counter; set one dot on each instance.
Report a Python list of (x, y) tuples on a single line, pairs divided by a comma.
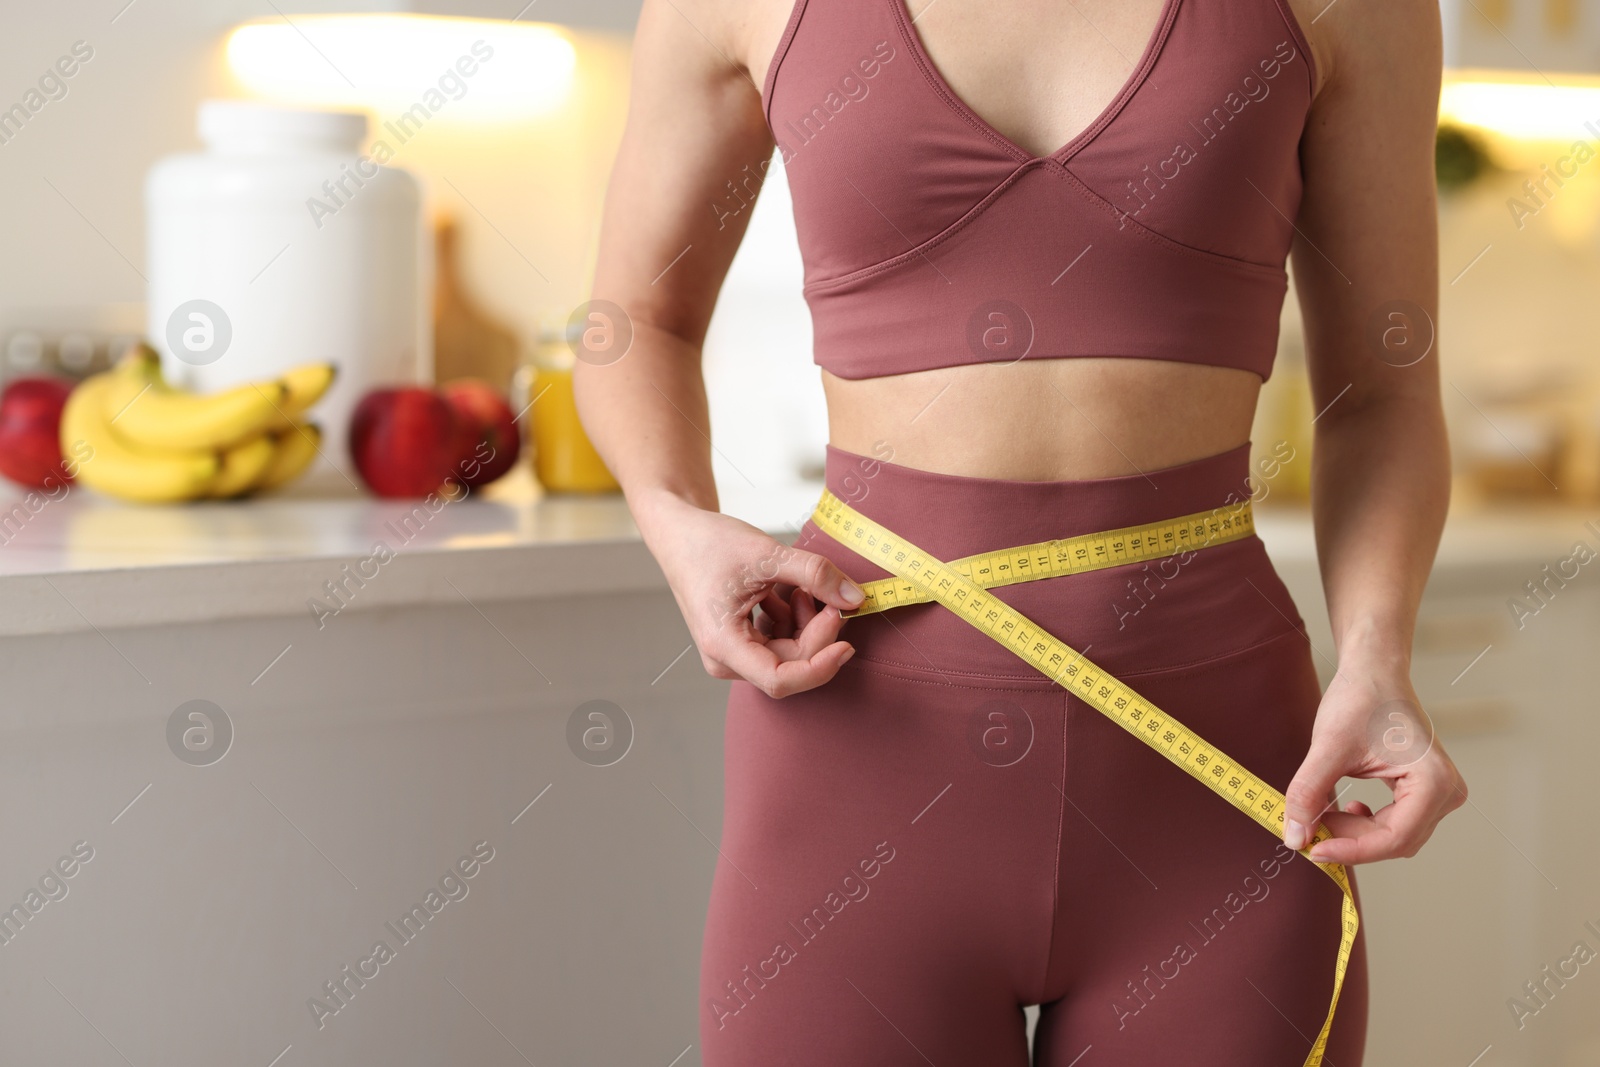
[(86, 561)]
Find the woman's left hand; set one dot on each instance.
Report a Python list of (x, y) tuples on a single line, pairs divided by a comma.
[(1371, 725)]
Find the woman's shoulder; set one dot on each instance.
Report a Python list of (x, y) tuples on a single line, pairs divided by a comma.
[(1344, 34), (743, 34)]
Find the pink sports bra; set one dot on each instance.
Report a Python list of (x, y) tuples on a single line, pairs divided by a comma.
[(931, 240)]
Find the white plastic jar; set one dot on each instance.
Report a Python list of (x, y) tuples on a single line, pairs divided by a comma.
[(282, 244)]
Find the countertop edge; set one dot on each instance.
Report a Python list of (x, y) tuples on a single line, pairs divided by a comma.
[(597, 551), (316, 587)]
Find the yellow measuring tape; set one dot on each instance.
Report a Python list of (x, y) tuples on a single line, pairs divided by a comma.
[(1074, 555), (957, 586)]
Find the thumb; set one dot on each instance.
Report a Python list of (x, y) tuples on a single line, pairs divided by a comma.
[(818, 576), (1308, 794)]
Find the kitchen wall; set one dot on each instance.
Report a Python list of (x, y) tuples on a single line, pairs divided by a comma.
[(71, 180), (1517, 348), (71, 183)]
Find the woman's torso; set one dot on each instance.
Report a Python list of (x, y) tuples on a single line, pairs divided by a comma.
[(1040, 73)]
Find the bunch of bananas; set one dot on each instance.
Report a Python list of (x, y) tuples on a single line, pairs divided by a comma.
[(138, 438)]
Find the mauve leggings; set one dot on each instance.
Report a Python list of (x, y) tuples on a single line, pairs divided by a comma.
[(940, 835)]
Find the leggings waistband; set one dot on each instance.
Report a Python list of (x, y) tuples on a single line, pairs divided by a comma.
[(1139, 617), (952, 515)]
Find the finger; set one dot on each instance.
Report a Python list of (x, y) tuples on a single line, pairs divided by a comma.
[(1348, 824), (763, 668), (766, 663), (818, 576), (1309, 792), (819, 632), (763, 624), (803, 606), (776, 605), (1396, 831), (749, 658), (778, 610), (798, 675), (1364, 846), (1355, 807)]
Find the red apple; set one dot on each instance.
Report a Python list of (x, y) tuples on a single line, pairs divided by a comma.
[(405, 441), (30, 431), (492, 429)]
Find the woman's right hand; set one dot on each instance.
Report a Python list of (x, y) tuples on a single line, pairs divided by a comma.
[(723, 570)]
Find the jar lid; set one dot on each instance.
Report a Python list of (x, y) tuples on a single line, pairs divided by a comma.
[(553, 349), (246, 125)]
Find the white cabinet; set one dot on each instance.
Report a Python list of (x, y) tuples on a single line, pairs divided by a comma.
[(1508, 882)]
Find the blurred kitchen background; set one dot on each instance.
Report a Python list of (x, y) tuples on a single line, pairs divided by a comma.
[(519, 165), (422, 710)]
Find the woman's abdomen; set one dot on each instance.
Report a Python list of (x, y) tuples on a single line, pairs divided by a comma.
[(1045, 420)]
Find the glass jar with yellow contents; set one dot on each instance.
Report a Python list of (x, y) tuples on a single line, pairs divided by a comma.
[(564, 461)]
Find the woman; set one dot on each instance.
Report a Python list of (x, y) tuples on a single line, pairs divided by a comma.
[(1044, 248)]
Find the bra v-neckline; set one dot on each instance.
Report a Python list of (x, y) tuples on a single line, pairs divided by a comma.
[(937, 82)]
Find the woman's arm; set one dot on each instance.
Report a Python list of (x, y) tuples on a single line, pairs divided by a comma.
[(694, 124), (1366, 270), (694, 119)]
